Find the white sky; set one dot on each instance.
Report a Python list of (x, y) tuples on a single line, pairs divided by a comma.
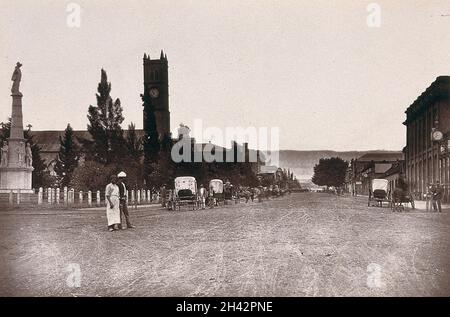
[(312, 68)]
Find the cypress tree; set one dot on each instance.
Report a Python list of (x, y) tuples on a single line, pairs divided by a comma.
[(108, 144), (68, 157)]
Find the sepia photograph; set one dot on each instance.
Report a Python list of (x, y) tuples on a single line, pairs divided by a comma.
[(214, 149)]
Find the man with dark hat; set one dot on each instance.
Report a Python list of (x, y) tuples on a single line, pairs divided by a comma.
[(436, 191), (163, 192), (123, 194)]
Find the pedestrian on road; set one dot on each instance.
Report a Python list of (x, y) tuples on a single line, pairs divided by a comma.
[(170, 203), (212, 202), (436, 191), (123, 195), (203, 195), (112, 204), (259, 193), (163, 196)]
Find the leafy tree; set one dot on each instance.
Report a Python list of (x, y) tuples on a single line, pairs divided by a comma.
[(134, 144), (68, 157), (92, 176), (5, 129), (163, 172), (330, 172), (40, 176), (108, 144)]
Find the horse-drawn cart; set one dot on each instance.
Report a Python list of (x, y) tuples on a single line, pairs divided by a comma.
[(216, 192), (379, 192), (185, 192), (401, 195)]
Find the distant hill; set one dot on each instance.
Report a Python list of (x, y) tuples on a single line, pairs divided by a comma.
[(302, 162)]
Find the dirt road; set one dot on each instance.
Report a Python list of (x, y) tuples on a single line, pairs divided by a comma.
[(305, 244)]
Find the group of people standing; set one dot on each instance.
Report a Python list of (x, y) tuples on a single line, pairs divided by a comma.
[(116, 203), (436, 191)]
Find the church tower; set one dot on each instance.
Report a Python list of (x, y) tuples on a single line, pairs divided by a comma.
[(156, 83)]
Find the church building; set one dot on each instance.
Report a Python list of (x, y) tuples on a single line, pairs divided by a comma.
[(156, 86)]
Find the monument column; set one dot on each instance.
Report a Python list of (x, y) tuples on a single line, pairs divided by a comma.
[(16, 117), (16, 159)]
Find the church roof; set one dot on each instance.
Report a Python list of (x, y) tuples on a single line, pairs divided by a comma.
[(48, 141)]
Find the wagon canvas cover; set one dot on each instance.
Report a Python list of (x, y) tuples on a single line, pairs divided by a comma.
[(216, 185), (186, 183), (380, 184)]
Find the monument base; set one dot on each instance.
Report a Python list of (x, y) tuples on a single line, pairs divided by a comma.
[(15, 178)]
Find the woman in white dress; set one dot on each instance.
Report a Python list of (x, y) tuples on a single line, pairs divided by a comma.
[(112, 204)]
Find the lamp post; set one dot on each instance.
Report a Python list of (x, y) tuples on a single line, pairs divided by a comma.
[(366, 176), (436, 138)]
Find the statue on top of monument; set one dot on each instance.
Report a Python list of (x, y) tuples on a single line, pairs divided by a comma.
[(4, 152), (16, 78)]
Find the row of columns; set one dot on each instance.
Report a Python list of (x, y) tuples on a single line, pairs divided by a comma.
[(430, 168)]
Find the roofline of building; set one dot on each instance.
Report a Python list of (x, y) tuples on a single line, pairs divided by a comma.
[(438, 90)]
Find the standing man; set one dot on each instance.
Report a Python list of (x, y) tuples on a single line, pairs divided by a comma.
[(123, 195), (112, 204), (203, 195), (163, 196), (436, 192)]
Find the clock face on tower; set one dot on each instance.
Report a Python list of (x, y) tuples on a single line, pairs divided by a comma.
[(154, 92), (437, 135)]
